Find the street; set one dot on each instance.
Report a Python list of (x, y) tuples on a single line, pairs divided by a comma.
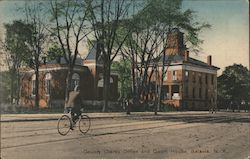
[(189, 135)]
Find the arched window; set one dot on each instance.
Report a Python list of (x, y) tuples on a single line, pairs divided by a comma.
[(165, 74), (101, 81), (75, 80), (174, 75), (33, 85), (48, 78)]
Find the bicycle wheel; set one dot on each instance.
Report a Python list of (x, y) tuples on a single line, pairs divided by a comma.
[(63, 125), (84, 124)]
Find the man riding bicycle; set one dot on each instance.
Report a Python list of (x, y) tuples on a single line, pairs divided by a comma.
[(74, 103)]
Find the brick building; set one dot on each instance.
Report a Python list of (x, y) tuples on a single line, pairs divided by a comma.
[(52, 82), (188, 84)]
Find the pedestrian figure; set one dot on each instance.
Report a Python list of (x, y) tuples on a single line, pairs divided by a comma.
[(129, 103), (243, 105), (248, 106), (124, 103), (212, 105)]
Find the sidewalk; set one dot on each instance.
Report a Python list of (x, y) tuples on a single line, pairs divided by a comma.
[(47, 117)]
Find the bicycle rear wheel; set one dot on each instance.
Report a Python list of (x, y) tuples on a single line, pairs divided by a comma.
[(84, 124), (63, 125)]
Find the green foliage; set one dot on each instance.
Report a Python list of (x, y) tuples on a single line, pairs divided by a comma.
[(5, 87), (17, 54), (91, 43), (17, 35), (123, 68), (234, 83), (54, 52), (148, 28), (164, 15)]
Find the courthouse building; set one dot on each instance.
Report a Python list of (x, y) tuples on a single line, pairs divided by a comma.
[(52, 81), (189, 84)]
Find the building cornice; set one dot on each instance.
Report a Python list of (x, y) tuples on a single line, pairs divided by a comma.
[(56, 68), (180, 66)]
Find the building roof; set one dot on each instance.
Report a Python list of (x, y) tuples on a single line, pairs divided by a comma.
[(200, 63), (178, 59), (92, 53), (79, 61)]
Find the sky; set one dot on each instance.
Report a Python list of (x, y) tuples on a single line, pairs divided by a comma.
[(227, 40)]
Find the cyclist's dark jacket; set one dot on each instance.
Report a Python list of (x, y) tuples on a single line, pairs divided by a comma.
[(74, 101)]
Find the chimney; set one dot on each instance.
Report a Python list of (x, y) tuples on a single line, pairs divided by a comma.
[(186, 55), (209, 60)]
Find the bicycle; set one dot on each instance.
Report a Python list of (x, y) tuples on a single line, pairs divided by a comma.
[(65, 123)]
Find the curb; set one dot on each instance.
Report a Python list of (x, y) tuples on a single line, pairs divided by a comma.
[(51, 119)]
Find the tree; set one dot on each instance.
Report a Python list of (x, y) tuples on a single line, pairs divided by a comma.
[(69, 28), (234, 84), (107, 18), (15, 53)]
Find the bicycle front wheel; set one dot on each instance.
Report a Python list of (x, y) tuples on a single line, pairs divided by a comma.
[(63, 125), (84, 124)]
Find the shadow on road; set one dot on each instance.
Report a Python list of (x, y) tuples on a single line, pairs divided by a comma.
[(202, 118)]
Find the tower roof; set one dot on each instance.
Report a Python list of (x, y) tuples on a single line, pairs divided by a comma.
[(92, 53)]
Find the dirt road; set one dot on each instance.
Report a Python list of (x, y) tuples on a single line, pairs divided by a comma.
[(167, 136)]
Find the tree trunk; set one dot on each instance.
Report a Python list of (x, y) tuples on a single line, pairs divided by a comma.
[(37, 88), (12, 76), (68, 83), (18, 88), (160, 84), (106, 86), (133, 79)]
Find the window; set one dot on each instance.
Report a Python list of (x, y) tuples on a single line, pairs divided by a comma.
[(174, 75), (200, 79), (47, 83), (200, 93), (164, 90), (75, 80), (101, 81), (194, 79), (186, 75), (175, 92), (193, 92), (175, 88), (186, 91), (206, 78), (167, 92), (33, 85), (212, 79), (206, 94), (165, 76)]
